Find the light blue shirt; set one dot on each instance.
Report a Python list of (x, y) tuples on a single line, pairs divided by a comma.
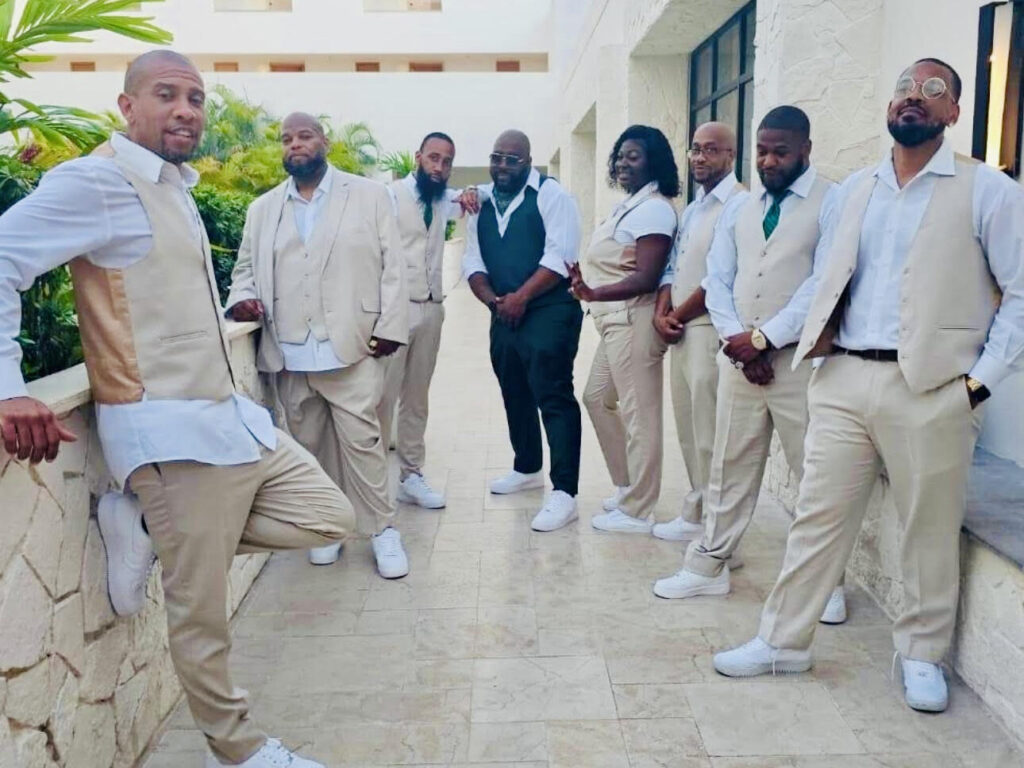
[(691, 217), (891, 221), (783, 329), (312, 354), (86, 207)]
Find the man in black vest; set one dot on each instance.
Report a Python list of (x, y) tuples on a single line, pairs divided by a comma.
[(516, 263)]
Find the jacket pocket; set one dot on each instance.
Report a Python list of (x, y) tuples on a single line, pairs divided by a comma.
[(183, 337), (371, 304)]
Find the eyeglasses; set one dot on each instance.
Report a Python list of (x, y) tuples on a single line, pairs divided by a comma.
[(932, 88), (709, 152), (509, 161)]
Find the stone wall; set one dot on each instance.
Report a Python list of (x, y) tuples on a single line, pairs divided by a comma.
[(79, 687)]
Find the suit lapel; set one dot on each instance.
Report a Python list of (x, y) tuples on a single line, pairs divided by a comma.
[(266, 237), (327, 226)]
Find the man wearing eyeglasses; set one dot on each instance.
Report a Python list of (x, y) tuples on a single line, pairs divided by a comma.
[(518, 252), (682, 319), (908, 308)]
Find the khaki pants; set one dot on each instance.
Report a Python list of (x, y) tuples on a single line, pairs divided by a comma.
[(864, 417), (624, 399), (745, 417), (407, 384), (199, 516), (334, 415), (693, 382)]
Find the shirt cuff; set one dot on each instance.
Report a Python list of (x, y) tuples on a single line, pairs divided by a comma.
[(731, 329), (778, 334), (990, 370), (12, 384), (666, 280), (555, 264)]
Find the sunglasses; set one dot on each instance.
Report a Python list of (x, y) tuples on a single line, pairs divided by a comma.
[(508, 161)]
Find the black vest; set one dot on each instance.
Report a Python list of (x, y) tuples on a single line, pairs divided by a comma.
[(512, 259)]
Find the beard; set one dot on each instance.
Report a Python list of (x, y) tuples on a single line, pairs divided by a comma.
[(306, 169), (429, 189), (176, 157), (914, 134)]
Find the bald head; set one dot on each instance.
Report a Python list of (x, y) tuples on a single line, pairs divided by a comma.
[(514, 142), (712, 154), (144, 67), (510, 162), (304, 148), (298, 120)]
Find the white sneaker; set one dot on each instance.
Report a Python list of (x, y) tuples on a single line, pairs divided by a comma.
[(756, 657), (514, 482), (678, 530), (612, 502), (415, 490), (391, 560), (835, 609), (325, 555), (558, 511), (924, 686), (272, 754), (129, 551), (686, 583), (618, 521)]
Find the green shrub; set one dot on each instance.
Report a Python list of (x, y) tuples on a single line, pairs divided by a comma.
[(223, 213)]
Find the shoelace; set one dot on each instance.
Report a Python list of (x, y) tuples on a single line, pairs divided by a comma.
[(390, 544), (924, 672)]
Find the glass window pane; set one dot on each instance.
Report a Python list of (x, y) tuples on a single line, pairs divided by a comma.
[(727, 109), (701, 116), (748, 44), (702, 73), (728, 56), (746, 146)]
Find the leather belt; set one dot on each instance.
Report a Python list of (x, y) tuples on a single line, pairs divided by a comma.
[(878, 355)]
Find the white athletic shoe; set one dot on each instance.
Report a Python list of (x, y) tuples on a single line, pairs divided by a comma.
[(678, 530), (416, 490), (618, 521), (756, 657), (514, 482), (558, 511), (924, 686), (129, 551), (392, 562), (612, 502), (327, 555), (835, 609), (686, 583), (272, 754)]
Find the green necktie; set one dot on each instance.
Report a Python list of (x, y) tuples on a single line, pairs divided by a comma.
[(428, 214), (771, 219)]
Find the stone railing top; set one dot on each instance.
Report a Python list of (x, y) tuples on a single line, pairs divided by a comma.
[(995, 505), (64, 391)]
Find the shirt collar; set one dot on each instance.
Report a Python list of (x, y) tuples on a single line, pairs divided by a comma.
[(149, 165), (942, 163), (323, 188), (802, 186), (721, 190), (533, 180)]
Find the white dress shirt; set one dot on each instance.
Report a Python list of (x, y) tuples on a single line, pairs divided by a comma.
[(312, 354), (650, 216), (691, 217), (561, 226), (872, 317), (783, 329), (86, 207)]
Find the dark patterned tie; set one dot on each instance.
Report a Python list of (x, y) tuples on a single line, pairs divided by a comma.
[(771, 219), (428, 214)]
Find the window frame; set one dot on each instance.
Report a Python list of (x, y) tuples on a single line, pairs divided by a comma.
[(1012, 129)]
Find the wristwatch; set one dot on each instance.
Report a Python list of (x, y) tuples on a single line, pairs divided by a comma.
[(979, 392), (759, 340)]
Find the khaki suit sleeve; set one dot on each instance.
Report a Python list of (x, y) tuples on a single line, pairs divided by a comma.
[(243, 278), (393, 324)]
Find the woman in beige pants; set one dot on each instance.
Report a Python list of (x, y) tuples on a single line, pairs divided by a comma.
[(619, 279)]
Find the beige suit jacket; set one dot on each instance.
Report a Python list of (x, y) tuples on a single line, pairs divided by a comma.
[(364, 291)]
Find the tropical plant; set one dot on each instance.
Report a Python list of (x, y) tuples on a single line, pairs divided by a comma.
[(223, 213), (360, 140), (400, 163), (232, 123)]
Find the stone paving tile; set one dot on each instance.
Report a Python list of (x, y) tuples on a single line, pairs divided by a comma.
[(507, 648)]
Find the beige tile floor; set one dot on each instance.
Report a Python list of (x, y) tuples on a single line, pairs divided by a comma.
[(505, 647)]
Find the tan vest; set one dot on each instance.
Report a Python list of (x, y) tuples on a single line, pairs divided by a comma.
[(768, 273), (154, 328), (692, 253), (608, 261), (948, 296), (423, 249), (298, 298)]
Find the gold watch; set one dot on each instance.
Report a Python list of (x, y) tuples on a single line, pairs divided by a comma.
[(973, 384), (758, 339)]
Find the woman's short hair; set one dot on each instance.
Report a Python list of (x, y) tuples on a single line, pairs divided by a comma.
[(660, 159)]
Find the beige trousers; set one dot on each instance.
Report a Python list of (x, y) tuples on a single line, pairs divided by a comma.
[(693, 382), (863, 417), (199, 516), (624, 399), (407, 384), (334, 414), (745, 417)]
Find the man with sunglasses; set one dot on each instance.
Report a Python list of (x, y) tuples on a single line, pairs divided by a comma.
[(517, 256), (919, 250)]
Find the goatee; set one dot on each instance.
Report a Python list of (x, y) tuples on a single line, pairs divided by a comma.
[(307, 169), (429, 189), (914, 134)]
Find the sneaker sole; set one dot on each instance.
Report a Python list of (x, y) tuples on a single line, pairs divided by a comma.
[(573, 519), (924, 706), (832, 622), (711, 591), (405, 498), (393, 578), (645, 531), (325, 560), (779, 668), (526, 487)]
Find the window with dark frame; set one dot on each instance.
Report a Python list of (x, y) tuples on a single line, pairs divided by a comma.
[(287, 66), (367, 66), (999, 133), (722, 83)]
